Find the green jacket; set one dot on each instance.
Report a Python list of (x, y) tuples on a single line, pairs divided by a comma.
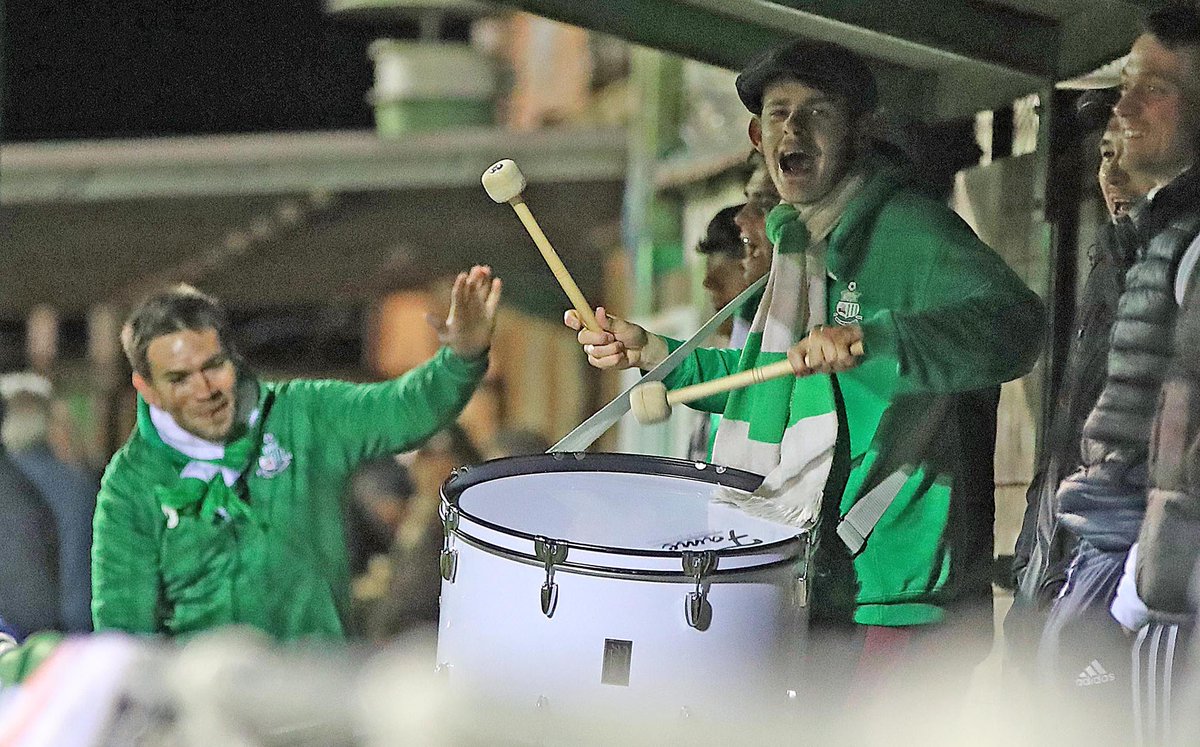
[(283, 567), (942, 315)]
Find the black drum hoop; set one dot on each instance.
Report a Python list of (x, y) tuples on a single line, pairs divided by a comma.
[(466, 477), (638, 574)]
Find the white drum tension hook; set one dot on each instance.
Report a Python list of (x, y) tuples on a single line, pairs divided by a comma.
[(550, 553)]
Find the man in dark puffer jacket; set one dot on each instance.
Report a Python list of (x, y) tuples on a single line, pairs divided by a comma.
[(1169, 543)]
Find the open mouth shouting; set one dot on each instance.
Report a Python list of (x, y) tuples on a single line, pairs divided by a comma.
[(796, 163), (802, 171)]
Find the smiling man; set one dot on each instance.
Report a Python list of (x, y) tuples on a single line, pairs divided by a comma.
[(862, 256), (223, 505)]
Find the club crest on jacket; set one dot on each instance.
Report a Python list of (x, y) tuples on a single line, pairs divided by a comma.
[(848, 311), (274, 458)]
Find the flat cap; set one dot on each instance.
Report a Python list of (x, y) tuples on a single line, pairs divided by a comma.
[(829, 67)]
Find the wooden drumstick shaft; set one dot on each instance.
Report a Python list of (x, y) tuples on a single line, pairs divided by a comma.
[(739, 380), (556, 266)]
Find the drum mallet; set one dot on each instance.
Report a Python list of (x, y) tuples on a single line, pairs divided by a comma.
[(651, 402), (504, 182)]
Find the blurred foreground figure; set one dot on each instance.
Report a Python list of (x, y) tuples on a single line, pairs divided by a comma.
[(234, 687), (223, 507)]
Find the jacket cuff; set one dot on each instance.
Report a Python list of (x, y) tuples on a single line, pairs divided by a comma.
[(1127, 606), (672, 343), (460, 367), (673, 380)]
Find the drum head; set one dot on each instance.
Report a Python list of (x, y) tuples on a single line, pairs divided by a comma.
[(618, 504)]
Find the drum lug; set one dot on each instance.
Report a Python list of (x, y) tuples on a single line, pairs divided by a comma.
[(448, 560), (550, 553), (697, 610), (802, 579)]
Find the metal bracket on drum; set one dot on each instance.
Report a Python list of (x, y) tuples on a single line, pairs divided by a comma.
[(697, 610), (448, 560), (550, 553), (801, 589)]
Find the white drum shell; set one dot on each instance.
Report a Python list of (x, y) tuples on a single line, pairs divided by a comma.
[(495, 644), (619, 640)]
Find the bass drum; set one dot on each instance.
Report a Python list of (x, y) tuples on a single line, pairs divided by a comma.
[(582, 586)]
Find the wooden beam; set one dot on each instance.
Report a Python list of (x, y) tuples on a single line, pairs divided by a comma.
[(330, 162)]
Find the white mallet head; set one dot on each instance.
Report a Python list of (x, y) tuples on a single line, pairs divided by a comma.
[(503, 181), (648, 402)]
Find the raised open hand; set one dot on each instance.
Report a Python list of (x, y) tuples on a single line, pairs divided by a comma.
[(468, 326)]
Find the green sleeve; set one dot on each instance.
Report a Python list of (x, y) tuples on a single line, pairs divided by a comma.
[(371, 420), (125, 581), (978, 324), (704, 364)]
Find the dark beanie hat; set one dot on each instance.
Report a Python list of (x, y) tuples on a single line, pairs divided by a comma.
[(829, 67), (1094, 108)]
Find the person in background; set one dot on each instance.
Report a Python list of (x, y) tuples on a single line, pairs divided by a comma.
[(509, 442), (1165, 575), (378, 498), (761, 199), (723, 250), (374, 501), (68, 490), (414, 580), (721, 247), (1044, 547), (29, 579)]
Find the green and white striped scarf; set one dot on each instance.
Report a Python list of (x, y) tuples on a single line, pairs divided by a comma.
[(209, 471), (786, 428)]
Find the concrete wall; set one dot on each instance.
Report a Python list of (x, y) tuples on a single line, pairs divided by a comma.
[(999, 202)]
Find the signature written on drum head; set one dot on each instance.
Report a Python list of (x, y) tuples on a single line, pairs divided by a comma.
[(713, 538)]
